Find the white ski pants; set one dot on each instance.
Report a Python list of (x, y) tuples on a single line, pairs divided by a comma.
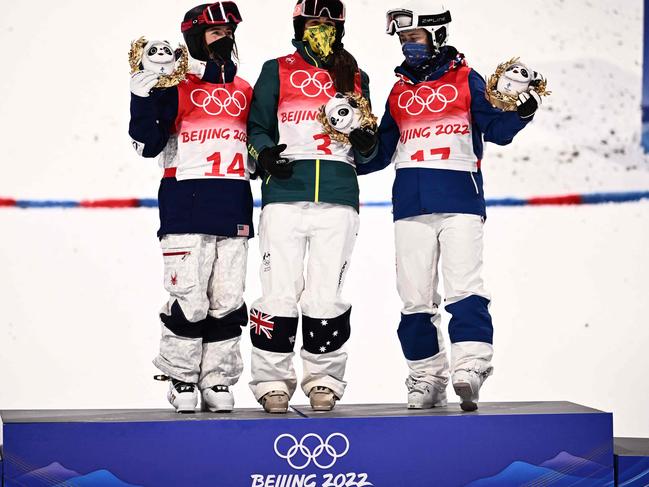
[(202, 320), (456, 240), (289, 232)]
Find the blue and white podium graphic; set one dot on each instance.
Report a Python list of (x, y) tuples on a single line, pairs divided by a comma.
[(632, 462), (558, 444)]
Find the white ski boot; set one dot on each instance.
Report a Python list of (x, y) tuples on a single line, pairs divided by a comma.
[(275, 402), (467, 384), (182, 396), (218, 399), (322, 398), (422, 395)]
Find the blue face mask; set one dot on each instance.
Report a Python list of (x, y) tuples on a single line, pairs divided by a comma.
[(416, 53)]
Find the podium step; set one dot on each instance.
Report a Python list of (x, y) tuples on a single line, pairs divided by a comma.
[(632, 462), (502, 444)]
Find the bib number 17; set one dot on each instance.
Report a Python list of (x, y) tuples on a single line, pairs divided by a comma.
[(420, 156), (236, 168)]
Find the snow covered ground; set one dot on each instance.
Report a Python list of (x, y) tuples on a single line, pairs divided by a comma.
[(80, 289)]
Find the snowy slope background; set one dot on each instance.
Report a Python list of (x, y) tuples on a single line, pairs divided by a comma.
[(79, 290)]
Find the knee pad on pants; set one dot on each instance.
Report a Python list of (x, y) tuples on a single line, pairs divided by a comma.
[(418, 336), (470, 320), (272, 333), (324, 335), (226, 328), (179, 325)]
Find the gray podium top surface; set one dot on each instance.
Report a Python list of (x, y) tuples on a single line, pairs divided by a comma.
[(486, 409), (632, 447), (296, 412)]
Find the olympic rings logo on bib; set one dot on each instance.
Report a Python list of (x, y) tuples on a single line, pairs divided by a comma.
[(220, 100), (313, 86), (322, 453), (428, 98)]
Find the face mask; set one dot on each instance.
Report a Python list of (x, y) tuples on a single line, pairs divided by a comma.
[(222, 48), (416, 53), (321, 39)]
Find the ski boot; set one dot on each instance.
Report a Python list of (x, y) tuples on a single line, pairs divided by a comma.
[(422, 395), (218, 399), (467, 384), (322, 398), (181, 395), (275, 402)]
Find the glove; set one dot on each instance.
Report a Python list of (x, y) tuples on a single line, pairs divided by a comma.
[(274, 164), (364, 140), (528, 103), (143, 82)]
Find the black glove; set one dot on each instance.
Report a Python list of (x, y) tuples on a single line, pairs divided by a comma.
[(528, 104), (274, 164), (364, 140)]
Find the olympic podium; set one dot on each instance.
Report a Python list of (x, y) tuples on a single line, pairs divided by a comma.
[(632, 462), (512, 444)]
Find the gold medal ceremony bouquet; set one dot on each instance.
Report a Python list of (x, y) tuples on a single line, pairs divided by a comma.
[(159, 57), (510, 80), (345, 113)]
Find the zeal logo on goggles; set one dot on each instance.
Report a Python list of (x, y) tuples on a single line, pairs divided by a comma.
[(404, 19), (333, 9), (218, 13)]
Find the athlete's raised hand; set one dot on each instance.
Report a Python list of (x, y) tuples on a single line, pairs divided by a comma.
[(142, 82)]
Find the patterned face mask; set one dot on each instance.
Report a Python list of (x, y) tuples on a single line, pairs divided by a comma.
[(416, 54), (321, 39)]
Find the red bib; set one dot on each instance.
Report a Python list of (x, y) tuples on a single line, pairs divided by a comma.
[(303, 90), (434, 119), (211, 130)]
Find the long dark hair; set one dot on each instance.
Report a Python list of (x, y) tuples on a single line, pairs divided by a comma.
[(343, 69)]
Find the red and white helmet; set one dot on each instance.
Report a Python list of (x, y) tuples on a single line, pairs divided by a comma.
[(431, 16), (200, 18)]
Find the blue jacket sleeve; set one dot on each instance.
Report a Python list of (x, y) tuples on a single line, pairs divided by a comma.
[(496, 125), (152, 120), (388, 139)]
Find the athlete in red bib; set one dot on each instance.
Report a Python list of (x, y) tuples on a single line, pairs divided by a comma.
[(310, 202), (199, 129), (436, 122)]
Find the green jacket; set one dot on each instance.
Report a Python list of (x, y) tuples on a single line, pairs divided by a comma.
[(316, 180)]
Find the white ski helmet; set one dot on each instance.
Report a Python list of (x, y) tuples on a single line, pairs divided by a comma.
[(418, 14)]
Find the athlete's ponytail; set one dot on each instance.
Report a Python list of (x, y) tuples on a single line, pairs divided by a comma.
[(343, 69)]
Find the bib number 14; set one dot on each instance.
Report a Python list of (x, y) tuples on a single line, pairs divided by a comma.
[(236, 168)]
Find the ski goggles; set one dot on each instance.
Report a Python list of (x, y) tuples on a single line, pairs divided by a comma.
[(218, 13), (402, 19), (333, 9)]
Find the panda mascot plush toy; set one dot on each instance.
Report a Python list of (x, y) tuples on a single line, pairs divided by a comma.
[(515, 80), (343, 114), (159, 57), (510, 80)]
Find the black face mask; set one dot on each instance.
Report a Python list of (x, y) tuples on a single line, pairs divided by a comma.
[(221, 49)]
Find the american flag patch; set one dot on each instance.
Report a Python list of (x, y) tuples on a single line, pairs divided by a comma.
[(243, 230)]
